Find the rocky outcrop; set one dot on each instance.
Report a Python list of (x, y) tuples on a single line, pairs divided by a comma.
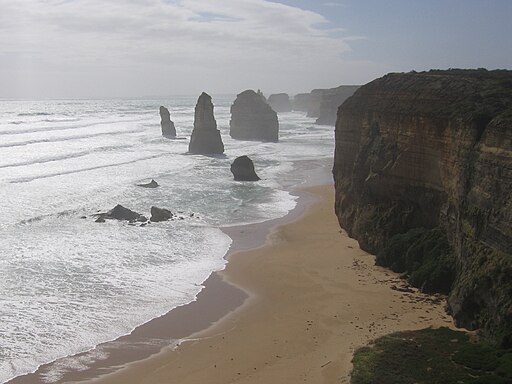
[(242, 169), (205, 137), (423, 178), (330, 100), (301, 102), (323, 103), (151, 184), (168, 129), (280, 102), (253, 119), (160, 214), (120, 213)]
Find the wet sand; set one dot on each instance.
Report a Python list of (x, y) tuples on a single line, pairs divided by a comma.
[(312, 297)]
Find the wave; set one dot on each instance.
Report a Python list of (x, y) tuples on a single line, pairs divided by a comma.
[(64, 157), (35, 114), (63, 128), (29, 179), (68, 138)]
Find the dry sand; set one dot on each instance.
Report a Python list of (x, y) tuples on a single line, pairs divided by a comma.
[(314, 297)]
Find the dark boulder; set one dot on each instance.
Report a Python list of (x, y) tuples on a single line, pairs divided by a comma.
[(253, 119), (205, 137), (280, 102), (243, 169), (168, 129), (151, 184), (160, 214)]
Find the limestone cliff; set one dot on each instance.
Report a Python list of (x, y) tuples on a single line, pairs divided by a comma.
[(205, 137), (280, 102), (252, 118), (323, 103), (423, 177)]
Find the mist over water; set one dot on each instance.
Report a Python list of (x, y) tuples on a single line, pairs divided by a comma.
[(68, 283)]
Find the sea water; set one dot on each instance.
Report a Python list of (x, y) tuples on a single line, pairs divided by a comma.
[(68, 283)]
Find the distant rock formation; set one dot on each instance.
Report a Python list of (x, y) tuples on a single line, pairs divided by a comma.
[(168, 129), (301, 102), (160, 214), (280, 102), (120, 213), (205, 137), (253, 119), (323, 103), (151, 184), (243, 169), (330, 100)]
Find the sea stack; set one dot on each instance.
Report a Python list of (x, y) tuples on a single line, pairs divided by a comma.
[(243, 169), (253, 119), (168, 129), (280, 102), (205, 137)]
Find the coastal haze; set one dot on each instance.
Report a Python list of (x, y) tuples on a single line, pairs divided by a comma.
[(60, 49), (81, 86)]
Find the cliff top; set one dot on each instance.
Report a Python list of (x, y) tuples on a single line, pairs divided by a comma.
[(476, 95)]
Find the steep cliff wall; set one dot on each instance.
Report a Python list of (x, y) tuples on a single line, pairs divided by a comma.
[(423, 175)]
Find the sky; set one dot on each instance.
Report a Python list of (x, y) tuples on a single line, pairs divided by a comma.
[(138, 48)]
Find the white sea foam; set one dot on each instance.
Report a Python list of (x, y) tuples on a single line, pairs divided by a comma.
[(68, 283)]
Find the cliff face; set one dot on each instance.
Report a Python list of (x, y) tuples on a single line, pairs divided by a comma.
[(423, 176)]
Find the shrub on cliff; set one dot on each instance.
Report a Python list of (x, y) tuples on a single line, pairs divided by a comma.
[(426, 257), (431, 356)]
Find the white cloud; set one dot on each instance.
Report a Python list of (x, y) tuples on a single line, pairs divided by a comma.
[(108, 47)]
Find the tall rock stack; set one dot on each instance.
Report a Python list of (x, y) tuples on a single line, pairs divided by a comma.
[(280, 102), (423, 178), (168, 129), (253, 119), (205, 137)]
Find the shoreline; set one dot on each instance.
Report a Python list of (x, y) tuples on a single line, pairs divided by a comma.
[(216, 300), (305, 315)]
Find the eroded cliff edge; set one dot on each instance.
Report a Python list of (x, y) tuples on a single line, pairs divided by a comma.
[(423, 177)]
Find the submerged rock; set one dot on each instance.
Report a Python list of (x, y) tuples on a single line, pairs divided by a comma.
[(151, 184), (168, 129), (280, 102), (253, 119), (160, 214), (205, 137), (243, 169)]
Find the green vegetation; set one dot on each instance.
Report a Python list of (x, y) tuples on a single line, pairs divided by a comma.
[(424, 255), (431, 356)]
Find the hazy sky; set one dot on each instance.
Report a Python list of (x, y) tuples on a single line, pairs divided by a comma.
[(102, 48)]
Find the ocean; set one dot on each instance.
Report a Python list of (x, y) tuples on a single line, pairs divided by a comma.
[(68, 283)]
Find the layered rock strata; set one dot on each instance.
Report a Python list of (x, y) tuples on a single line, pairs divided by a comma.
[(205, 137), (423, 178), (253, 119), (168, 129), (280, 102)]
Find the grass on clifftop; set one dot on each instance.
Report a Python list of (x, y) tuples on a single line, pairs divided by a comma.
[(431, 356)]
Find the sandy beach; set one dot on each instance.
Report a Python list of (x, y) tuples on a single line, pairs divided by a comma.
[(313, 297)]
